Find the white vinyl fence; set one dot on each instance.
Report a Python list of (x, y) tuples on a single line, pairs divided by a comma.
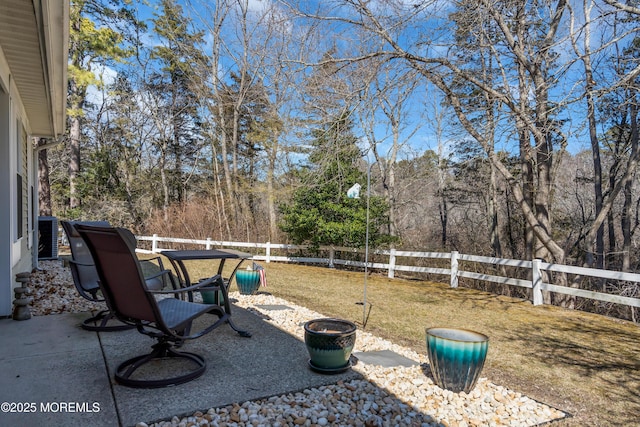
[(262, 251)]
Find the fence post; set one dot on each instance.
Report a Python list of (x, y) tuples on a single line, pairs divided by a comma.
[(267, 252), (536, 282), (332, 255), (154, 244), (208, 244), (392, 262), (454, 269)]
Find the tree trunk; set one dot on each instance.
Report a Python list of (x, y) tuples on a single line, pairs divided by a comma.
[(527, 191), (611, 227), (44, 186), (442, 202), (74, 161), (179, 187), (526, 161), (226, 168), (597, 162), (218, 195), (271, 208), (496, 245), (628, 190), (513, 248), (443, 220), (542, 210), (165, 184), (393, 203), (271, 198)]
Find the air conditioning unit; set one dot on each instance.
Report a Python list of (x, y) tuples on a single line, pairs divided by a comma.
[(47, 237)]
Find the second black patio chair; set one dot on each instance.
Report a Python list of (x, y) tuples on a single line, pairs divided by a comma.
[(85, 276), (129, 298)]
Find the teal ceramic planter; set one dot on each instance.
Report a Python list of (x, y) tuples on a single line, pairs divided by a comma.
[(329, 343), (456, 357), (248, 281)]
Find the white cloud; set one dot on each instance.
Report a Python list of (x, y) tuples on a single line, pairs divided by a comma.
[(259, 6), (97, 94)]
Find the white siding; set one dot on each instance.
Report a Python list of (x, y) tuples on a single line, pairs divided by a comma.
[(5, 199), (15, 255)]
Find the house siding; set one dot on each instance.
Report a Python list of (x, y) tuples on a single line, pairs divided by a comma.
[(34, 43), (17, 256), (5, 199)]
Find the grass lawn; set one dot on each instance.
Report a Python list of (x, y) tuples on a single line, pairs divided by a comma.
[(582, 363)]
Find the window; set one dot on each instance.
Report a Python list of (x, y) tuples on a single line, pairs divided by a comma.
[(21, 193), (19, 206)]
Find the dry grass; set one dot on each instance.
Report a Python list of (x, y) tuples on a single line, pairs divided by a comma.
[(582, 363)]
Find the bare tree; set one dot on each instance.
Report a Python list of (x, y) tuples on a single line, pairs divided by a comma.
[(445, 74), (246, 95), (384, 119), (44, 186), (523, 40)]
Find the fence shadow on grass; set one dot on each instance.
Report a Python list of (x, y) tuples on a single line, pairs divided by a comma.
[(597, 357)]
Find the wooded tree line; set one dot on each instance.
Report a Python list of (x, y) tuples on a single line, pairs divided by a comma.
[(504, 128)]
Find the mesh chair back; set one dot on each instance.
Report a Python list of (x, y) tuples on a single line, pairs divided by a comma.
[(84, 270), (121, 279)]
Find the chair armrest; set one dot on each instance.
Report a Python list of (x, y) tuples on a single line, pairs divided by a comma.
[(158, 274), (91, 295), (86, 283), (217, 280), (201, 284), (156, 260), (83, 264)]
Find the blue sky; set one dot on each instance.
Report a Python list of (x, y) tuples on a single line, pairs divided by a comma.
[(422, 107)]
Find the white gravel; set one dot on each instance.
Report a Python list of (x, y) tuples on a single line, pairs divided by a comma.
[(398, 396)]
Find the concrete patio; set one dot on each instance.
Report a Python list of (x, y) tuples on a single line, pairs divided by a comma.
[(55, 373)]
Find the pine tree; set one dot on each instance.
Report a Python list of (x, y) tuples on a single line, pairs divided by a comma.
[(100, 34), (320, 212), (174, 85)]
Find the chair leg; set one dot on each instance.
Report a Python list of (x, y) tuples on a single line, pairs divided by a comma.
[(226, 304), (161, 350), (104, 317)]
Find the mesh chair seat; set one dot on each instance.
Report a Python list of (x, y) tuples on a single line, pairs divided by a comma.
[(177, 313)]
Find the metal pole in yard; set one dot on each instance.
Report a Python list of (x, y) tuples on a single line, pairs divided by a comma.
[(366, 249)]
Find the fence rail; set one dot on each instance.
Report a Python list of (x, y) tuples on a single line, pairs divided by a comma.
[(535, 268)]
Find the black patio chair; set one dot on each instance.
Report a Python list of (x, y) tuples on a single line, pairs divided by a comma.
[(129, 298), (85, 276)]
